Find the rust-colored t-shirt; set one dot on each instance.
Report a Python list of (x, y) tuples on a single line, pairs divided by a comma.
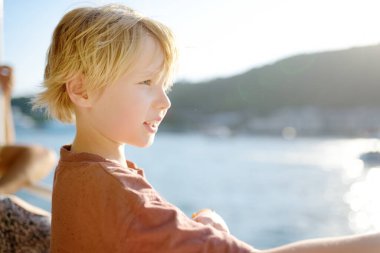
[(100, 206)]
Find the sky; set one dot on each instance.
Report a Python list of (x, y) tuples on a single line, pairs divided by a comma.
[(217, 38)]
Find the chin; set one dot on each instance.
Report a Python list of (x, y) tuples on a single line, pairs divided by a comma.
[(143, 144)]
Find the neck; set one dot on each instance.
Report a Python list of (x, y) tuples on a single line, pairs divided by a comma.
[(90, 141)]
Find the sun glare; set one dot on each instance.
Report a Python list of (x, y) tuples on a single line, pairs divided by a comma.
[(363, 199)]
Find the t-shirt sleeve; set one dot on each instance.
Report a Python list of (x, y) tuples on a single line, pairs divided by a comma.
[(158, 226), (163, 228)]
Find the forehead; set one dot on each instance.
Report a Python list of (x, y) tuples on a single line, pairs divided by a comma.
[(150, 58)]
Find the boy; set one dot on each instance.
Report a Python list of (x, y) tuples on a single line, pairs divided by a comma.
[(110, 69)]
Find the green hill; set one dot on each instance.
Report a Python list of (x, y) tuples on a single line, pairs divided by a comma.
[(329, 80), (333, 79)]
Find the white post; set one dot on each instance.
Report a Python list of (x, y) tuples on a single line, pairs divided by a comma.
[(2, 100), (1, 30)]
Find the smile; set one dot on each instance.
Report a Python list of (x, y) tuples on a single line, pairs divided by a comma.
[(152, 127)]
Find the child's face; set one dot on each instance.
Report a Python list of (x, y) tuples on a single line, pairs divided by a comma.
[(130, 110)]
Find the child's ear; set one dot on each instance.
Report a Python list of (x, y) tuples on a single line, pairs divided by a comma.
[(76, 91)]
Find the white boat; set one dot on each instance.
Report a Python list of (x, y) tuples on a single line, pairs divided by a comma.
[(371, 159)]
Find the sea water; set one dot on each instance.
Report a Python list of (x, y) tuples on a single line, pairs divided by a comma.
[(270, 191)]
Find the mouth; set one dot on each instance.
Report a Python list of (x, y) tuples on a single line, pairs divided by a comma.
[(152, 126)]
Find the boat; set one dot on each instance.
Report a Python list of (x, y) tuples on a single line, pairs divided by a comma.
[(370, 159)]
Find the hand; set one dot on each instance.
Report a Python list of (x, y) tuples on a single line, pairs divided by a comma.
[(6, 79), (209, 217)]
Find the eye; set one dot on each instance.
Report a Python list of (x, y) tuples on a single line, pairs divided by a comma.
[(146, 82)]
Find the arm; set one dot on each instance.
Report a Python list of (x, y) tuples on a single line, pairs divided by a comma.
[(351, 244), (6, 86), (162, 227), (24, 166), (369, 243)]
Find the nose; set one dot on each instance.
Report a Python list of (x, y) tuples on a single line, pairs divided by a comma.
[(163, 101)]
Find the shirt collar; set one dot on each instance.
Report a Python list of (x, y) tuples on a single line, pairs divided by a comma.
[(69, 156)]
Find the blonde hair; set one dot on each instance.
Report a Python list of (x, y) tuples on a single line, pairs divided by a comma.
[(100, 43)]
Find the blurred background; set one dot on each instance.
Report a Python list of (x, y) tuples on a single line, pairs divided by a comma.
[(275, 112)]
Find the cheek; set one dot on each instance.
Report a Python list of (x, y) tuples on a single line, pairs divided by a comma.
[(120, 116), (120, 112)]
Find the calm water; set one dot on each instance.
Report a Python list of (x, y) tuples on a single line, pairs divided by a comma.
[(269, 190)]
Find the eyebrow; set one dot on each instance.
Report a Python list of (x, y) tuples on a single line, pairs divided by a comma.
[(147, 73), (153, 73), (156, 71)]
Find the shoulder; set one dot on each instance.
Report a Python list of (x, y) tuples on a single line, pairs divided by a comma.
[(95, 188), (100, 176), (129, 178)]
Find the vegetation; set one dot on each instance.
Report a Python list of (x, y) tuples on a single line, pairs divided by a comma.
[(342, 79)]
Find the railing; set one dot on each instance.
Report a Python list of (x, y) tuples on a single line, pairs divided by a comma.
[(41, 190)]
